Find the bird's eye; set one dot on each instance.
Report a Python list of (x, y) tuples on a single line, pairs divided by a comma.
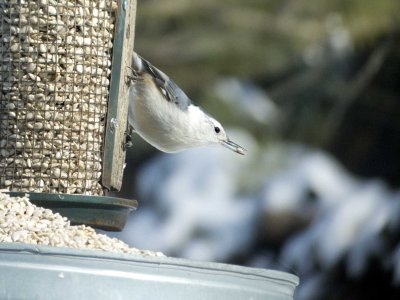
[(217, 129)]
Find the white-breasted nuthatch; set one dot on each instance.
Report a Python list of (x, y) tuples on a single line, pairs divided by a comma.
[(162, 114)]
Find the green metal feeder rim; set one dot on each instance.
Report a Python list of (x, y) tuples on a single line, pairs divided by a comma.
[(103, 212)]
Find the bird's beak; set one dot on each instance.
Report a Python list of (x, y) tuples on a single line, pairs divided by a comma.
[(234, 147)]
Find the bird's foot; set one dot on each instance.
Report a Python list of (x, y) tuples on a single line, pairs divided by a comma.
[(132, 76), (128, 137)]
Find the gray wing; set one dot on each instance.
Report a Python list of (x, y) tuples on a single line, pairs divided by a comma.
[(170, 89)]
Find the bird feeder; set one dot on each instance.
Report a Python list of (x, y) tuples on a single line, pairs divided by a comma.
[(63, 102), (63, 115)]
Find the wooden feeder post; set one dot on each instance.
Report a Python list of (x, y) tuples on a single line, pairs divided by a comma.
[(117, 116)]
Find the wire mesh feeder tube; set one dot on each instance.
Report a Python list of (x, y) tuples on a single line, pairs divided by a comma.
[(55, 67)]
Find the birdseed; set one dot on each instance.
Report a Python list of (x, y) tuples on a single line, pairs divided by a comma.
[(55, 65), (23, 222)]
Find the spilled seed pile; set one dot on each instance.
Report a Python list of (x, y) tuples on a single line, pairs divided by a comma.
[(55, 65), (23, 222)]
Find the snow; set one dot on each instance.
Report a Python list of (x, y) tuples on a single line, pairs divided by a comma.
[(208, 204), (248, 99)]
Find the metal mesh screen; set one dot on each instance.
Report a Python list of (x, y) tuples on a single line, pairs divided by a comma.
[(55, 65)]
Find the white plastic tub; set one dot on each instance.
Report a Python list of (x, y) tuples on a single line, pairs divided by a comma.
[(38, 272)]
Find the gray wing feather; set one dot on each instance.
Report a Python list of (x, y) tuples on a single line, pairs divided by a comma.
[(170, 89)]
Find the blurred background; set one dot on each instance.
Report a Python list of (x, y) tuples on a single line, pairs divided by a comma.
[(312, 90)]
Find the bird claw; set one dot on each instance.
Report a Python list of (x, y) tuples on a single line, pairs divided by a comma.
[(128, 137), (132, 77)]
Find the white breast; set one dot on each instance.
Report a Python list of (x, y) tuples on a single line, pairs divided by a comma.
[(160, 122)]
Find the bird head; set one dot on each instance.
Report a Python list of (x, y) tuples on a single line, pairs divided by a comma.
[(217, 135)]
